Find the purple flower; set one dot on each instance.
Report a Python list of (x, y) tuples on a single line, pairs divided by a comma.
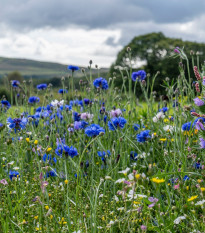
[(199, 125), (143, 227), (203, 82), (153, 200), (202, 143), (198, 102), (3, 181), (176, 50)]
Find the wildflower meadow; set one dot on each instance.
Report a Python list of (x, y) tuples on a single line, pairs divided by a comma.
[(102, 158)]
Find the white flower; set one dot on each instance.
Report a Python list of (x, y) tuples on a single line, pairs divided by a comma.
[(120, 181), (121, 208), (200, 202), (108, 177), (11, 163), (125, 171), (56, 103), (131, 176), (168, 128), (116, 198), (16, 168), (101, 195), (178, 220), (133, 195)]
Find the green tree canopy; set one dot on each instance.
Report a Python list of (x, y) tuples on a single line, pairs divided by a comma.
[(151, 52)]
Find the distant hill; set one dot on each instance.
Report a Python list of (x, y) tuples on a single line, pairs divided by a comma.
[(36, 69)]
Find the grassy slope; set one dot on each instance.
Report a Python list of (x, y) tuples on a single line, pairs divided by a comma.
[(33, 68)]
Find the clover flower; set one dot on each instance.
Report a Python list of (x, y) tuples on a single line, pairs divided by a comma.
[(198, 102)]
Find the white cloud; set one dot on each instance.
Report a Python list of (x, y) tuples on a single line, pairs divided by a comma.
[(69, 46)]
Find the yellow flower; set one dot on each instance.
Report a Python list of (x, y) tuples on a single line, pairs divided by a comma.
[(166, 120), (187, 187), (46, 207), (199, 181), (192, 198), (49, 194), (51, 216), (136, 202), (27, 139), (66, 181), (36, 142), (155, 134), (36, 217), (137, 176), (157, 180), (49, 149), (163, 139), (202, 189), (196, 131)]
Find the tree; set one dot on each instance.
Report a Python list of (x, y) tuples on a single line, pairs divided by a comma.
[(151, 52)]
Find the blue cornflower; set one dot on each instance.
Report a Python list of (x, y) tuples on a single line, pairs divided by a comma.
[(1, 126), (42, 86), (15, 83), (33, 99), (80, 125), (133, 155), (103, 155), (202, 119), (100, 83), (13, 174), (73, 68), (76, 116), (94, 130), (140, 75), (17, 123), (87, 101), (186, 126), (141, 137), (6, 104), (72, 152), (62, 91), (116, 122), (51, 173), (186, 178), (175, 104), (164, 109), (39, 109), (59, 150), (198, 165), (49, 158), (136, 126), (68, 107)]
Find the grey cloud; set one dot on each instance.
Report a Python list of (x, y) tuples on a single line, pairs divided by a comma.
[(30, 14)]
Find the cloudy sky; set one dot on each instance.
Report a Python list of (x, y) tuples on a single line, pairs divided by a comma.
[(75, 31)]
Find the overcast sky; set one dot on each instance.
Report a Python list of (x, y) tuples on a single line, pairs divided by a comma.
[(75, 31)]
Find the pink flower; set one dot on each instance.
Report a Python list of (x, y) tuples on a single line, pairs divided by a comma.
[(4, 182), (143, 227), (43, 185), (176, 186), (86, 116), (116, 113)]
